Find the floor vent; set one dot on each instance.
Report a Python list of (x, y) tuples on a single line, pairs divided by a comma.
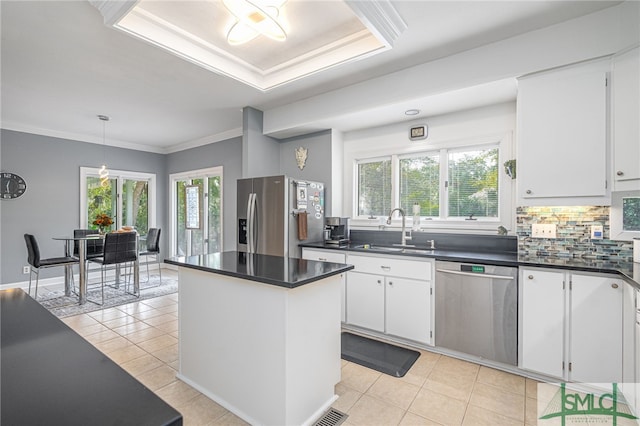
[(332, 417)]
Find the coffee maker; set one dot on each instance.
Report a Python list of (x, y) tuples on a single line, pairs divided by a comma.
[(336, 230)]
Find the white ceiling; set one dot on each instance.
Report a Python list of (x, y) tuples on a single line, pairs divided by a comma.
[(61, 66)]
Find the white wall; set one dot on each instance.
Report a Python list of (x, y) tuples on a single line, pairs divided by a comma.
[(486, 123)]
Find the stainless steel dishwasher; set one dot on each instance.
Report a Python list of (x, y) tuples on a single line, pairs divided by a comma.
[(476, 310)]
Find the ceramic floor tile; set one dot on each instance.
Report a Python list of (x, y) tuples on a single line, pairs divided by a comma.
[(169, 309), (200, 411), (498, 400), (158, 377), (531, 411), (143, 335), (101, 336), (120, 322), (158, 343), (346, 398), (107, 314), (457, 367), (168, 354), (394, 391), (177, 393), (411, 419), (371, 411), (168, 327), (438, 408), (228, 419), (131, 328), (161, 319), (503, 380), (134, 308), (477, 416), (128, 353), (109, 346), (142, 364), (531, 388), (421, 369), (147, 315), (91, 329), (458, 387), (358, 377), (78, 321), (158, 302)]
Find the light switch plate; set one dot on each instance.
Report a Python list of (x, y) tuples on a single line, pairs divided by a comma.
[(543, 230), (597, 232)]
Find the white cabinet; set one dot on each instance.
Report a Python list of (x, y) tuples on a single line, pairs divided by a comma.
[(390, 295), (408, 309), (542, 313), (562, 136), (572, 325), (625, 100), (365, 300), (329, 256)]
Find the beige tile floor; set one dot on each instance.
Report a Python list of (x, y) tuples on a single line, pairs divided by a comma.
[(142, 337)]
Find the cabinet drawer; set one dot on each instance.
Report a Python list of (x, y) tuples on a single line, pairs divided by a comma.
[(323, 255), (416, 269)]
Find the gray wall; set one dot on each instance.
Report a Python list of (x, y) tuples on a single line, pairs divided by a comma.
[(51, 204), (318, 165), (227, 154), (260, 153)]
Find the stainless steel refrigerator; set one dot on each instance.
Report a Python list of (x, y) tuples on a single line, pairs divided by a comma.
[(269, 210)]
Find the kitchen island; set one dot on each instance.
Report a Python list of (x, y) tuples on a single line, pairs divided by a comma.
[(260, 335)]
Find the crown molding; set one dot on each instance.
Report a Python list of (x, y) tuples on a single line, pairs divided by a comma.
[(112, 11), (380, 17)]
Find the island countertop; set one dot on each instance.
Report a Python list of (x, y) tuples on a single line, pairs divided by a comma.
[(287, 272)]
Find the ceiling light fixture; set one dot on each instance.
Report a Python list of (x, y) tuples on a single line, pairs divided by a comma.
[(412, 112), (103, 172), (254, 18)]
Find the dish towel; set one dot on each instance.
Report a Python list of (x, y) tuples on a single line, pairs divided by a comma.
[(302, 225)]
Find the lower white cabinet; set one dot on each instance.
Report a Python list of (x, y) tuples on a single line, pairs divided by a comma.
[(329, 256), (390, 295), (572, 325)]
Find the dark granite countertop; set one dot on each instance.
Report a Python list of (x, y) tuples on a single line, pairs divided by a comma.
[(630, 271), (51, 375), (287, 272)]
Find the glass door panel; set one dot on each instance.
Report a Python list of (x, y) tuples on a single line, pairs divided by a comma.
[(135, 212), (214, 217), (101, 200)]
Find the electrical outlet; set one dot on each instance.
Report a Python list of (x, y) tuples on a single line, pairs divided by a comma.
[(25, 269), (597, 232), (543, 230)]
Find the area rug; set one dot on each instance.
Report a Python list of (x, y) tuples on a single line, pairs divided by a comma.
[(64, 306), (383, 357)]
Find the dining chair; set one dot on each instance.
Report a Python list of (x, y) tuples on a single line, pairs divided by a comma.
[(119, 248), (153, 249), (36, 263), (93, 247)]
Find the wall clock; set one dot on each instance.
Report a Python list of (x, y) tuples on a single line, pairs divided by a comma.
[(11, 186), (418, 132)]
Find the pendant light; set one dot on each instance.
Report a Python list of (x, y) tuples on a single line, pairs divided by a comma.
[(103, 172)]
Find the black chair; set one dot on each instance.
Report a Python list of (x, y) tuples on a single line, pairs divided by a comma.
[(119, 248), (36, 263), (153, 249), (93, 247)]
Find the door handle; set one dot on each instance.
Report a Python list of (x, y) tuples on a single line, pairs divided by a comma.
[(471, 274)]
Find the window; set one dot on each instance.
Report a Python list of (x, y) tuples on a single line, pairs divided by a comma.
[(374, 187), (631, 214), (128, 198), (459, 185), (625, 215)]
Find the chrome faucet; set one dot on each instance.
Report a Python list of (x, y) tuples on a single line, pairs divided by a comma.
[(405, 237)]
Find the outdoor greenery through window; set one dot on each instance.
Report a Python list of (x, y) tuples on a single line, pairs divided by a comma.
[(631, 214), (448, 183), (374, 187)]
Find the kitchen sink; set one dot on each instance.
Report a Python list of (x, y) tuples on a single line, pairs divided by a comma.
[(389, 249)]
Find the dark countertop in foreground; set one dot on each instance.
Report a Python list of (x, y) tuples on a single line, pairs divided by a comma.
[(628, 270), (51, 375), (287, 272)]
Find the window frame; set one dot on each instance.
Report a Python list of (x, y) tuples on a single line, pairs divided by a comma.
[(119, 175), (616, 231), (506, 185)]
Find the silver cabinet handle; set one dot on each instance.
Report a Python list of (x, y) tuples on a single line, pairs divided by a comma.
[(379, 282), (530, 277), (322, 259), (614, 285), (528, 191), (390, 283), (386, 268), (620, 173)]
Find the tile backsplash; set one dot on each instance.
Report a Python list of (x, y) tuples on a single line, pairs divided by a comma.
[(573, 233)]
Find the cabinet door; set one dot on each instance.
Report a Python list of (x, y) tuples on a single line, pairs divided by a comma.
[(543, 306), (595, 350), (408, 309), (562, 134), (626, 126), (329, 256), (365, 300)]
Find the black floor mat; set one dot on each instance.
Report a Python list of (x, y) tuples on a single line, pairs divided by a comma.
[(383, 357)]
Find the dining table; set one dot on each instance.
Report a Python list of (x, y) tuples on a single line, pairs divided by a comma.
[(82, 266)]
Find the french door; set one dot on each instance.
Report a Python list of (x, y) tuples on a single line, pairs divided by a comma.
[(196, 212)]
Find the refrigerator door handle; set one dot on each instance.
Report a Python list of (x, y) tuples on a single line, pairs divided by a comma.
[(253, 234), (249, 224)]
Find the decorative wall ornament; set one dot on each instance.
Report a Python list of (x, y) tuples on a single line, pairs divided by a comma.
[(301, 157)]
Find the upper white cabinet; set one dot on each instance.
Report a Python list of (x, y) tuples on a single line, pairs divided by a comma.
[(625, 97), (562, 136)]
